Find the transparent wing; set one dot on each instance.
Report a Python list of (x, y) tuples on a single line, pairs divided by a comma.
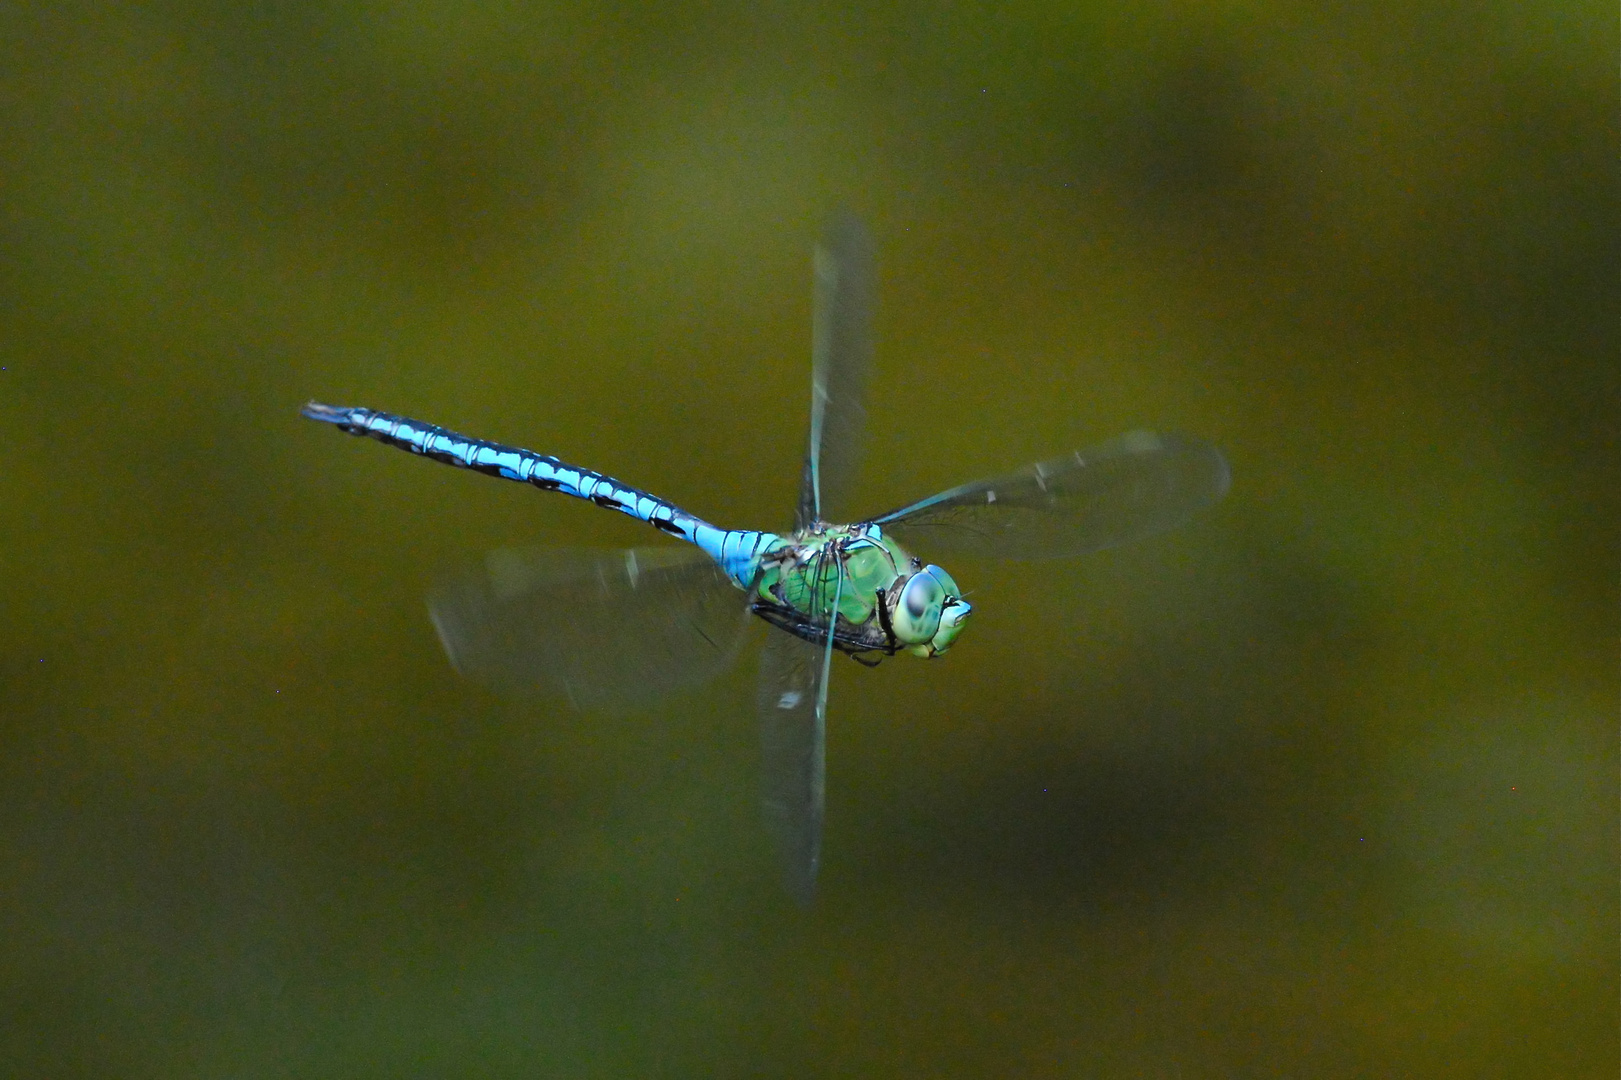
[(793, 750), (792, 756), (603, 627), (841, 358), (1127, 488)]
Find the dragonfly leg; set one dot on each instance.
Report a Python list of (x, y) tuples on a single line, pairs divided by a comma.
[(885, 625)]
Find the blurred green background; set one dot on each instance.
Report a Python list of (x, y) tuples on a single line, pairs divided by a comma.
[(1324, 784)]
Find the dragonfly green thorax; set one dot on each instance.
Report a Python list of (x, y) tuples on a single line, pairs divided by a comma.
[(886, 599)]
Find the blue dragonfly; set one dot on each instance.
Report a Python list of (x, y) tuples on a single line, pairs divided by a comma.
[(610, 628)]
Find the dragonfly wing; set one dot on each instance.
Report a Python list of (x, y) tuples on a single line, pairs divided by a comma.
[(841, 358), (604, 627), (1122, 490), (792, 752), (794, 676)]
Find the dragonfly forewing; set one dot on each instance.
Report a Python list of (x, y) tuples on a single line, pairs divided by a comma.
[(603, 628), (794, 675), (1128, 488), (841, 357), (793, 754)]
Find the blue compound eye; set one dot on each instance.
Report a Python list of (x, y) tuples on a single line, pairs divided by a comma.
[(917, 609)]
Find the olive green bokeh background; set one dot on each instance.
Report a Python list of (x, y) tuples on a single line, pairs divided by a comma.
[(1322, 785)]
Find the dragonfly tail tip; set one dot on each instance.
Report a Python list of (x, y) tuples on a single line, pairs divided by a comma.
[(314, 410)]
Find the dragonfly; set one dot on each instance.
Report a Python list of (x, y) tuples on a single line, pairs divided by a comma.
[(608, 628)]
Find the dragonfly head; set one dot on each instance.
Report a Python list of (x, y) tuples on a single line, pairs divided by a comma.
[(926, 611)]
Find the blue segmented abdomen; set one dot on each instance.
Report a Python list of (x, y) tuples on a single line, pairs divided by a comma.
[(736, 550)]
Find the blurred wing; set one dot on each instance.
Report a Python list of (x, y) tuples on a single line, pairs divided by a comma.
[(1125, 489), (793, 750), (841, 358), (604, 627), (792, 761)]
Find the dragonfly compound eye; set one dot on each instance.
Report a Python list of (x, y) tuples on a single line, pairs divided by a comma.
[(916, 618), (929, 612), (917, 608)]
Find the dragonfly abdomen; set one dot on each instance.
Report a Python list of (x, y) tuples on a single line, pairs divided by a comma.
[(734, 549)]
